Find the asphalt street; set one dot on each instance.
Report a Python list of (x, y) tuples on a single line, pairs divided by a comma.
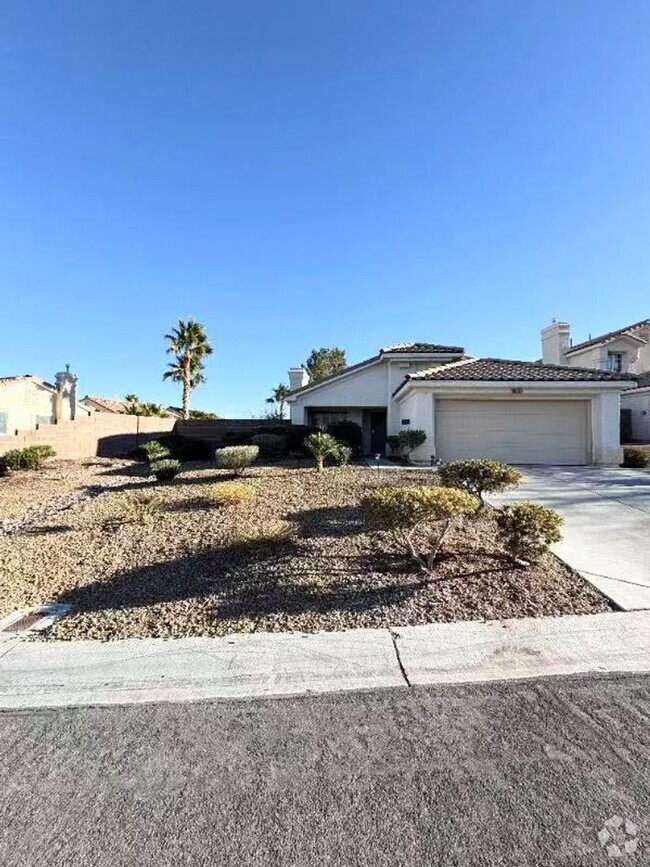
[(516, 773)]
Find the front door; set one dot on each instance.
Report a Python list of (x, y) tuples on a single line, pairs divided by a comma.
[(378, 431)]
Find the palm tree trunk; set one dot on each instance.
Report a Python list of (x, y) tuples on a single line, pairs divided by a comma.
[(186, 387)]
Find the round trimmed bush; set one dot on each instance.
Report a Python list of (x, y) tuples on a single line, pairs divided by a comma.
[(165, 470), (478, 477), (527, 529), (236, 458)]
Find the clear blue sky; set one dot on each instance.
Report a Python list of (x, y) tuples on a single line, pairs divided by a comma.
[(303, 174)]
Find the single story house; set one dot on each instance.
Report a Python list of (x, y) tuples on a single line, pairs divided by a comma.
[(520, 412), (626, 350), (27, 402)]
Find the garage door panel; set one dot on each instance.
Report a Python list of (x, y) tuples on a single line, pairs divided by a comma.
[(540, 432)]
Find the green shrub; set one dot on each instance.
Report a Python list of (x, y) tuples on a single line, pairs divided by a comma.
[(165, 470), (183, 449), (349, 433), (321, 446), (343, 455), (410, 440), (28, 458), (393, 442), (478, 477), (230, 494), (141, 507), (405, 442), (417, 518), (12, 459), (636, 458), (4, 466), (153, 451), (527, 529), (236, 458), (270, 445)]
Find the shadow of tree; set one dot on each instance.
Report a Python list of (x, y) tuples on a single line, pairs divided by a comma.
[(332, 521), (251, 580)]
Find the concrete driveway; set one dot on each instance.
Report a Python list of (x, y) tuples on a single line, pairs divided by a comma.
[(606, 525)]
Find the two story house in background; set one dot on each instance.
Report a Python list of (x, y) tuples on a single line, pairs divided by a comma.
[(26, 401), (626, 350)]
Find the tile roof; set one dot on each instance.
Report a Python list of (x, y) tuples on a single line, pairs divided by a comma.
[(110, 404), (504, 370), (620, 332), (425, 348)]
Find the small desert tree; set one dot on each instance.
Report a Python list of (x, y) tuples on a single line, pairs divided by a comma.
[(321, 446), (479, 477), (418, 519)]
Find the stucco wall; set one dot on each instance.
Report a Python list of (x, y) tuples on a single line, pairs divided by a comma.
[(24, 403), (100, 434), (372, 386)]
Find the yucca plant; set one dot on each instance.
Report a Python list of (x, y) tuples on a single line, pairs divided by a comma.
[(321, 446)]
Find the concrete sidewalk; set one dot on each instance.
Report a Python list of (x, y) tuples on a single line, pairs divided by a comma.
[(606, 532), (56, 674)]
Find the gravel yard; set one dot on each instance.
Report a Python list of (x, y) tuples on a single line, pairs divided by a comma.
[(296, 557)]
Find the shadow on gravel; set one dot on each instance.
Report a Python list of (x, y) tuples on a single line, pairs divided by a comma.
[(251, 580), (334, 521)]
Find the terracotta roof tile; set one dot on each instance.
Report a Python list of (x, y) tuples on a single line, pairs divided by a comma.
[(504, 370), (425, 348)]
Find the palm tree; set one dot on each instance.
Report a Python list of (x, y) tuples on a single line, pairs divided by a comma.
[(279, 396), (189, 345)]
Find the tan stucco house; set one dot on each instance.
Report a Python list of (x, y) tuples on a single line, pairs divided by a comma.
[(626, 350), (520, 412), (27, 401)]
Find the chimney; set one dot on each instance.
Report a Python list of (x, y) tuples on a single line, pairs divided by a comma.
[(298, 377), (556, 339), (65, 405)]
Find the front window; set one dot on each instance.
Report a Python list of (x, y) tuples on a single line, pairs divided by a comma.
[(323, 418), (615, 361)]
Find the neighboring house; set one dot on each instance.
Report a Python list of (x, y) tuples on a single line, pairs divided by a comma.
[(626, 350), (26, 401), (115, 405), (515, 411)]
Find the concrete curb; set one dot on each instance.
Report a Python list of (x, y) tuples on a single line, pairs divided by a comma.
[(59, 674)]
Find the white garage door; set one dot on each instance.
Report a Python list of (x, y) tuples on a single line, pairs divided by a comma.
[(513, 431)]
